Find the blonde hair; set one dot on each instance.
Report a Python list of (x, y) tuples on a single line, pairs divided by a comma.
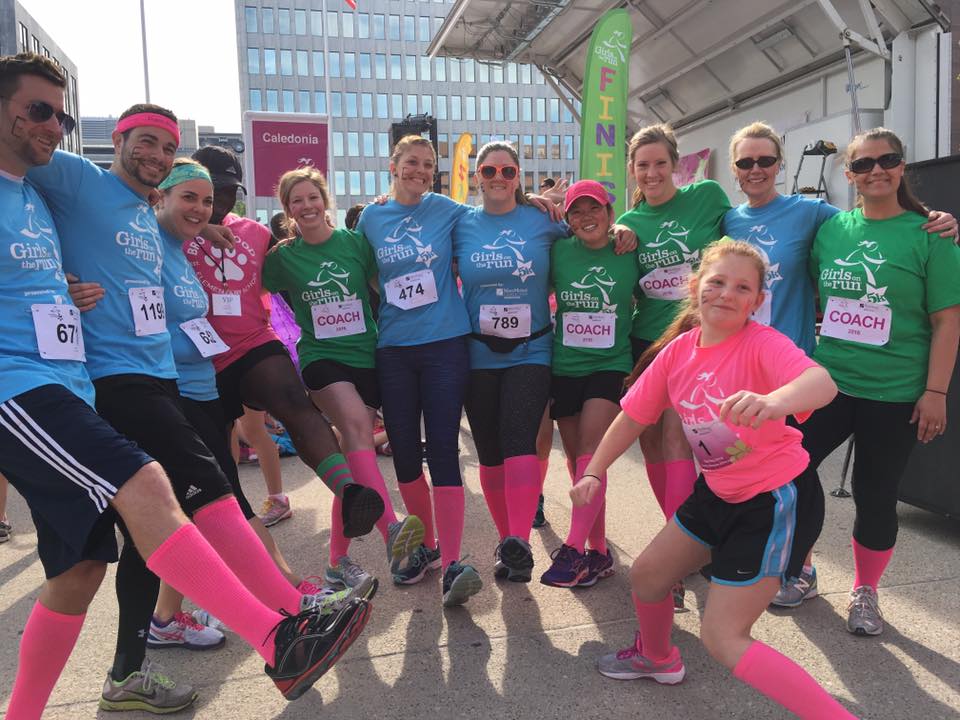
[(503, 146), (756, 131), (290, 180), (404, 145), (688, 316), (905, 197), (649, 135)]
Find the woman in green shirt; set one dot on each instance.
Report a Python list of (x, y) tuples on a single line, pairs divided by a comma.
[(326, 273), (891, 325)]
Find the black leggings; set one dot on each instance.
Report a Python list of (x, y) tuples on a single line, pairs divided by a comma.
[(504, 407), (884, 438)]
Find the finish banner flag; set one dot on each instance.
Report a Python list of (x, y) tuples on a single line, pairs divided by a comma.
[(603, 146), (460, 173)]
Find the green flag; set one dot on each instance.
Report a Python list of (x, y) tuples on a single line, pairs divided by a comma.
[(603, 120)]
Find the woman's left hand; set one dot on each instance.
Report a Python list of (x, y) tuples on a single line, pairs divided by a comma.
[(546, 205), (943, 223), (85, 295), (624, 239), (746, 408), (930, 415)]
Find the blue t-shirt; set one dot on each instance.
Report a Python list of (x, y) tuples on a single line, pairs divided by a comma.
[(410, 239), (186, 300), (110, 236), (31, 274), (505, 260), (783, 231)]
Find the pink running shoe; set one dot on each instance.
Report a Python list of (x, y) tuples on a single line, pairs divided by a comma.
[(631, 664), (275, 509)]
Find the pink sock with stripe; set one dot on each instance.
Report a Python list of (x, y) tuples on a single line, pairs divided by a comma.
[(228, 531), (869, 565), (448, 501), (188, 564), (416, 498), (658, 483), (783, 681), (491, 482), (366, 472), (45, 645), (679, 477), (521, 480)]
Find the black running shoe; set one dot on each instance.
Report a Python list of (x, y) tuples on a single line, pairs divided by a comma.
[(539, 520), (516, 554), (362, 507), (308, 644)]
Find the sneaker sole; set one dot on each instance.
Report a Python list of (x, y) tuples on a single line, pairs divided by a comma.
[(863, 632), (408, 539), (518, 560), (563, 584), (779, 603), (362, 511), (163, 644), (292, 689), (663, 678), (466, 585), (273, 521), (122, 705)]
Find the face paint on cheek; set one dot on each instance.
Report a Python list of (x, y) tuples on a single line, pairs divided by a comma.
[(15, 128)]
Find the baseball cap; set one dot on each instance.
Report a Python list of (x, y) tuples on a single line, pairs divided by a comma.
[(223, 164), (585, 188)]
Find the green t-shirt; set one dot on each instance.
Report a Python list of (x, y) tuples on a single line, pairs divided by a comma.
[(898, 266), (669, 237), (336, 271), (591, 281)]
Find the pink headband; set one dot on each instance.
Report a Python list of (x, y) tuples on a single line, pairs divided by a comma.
[(148, 119)]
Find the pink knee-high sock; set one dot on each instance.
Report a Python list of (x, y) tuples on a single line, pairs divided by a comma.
[(785, 682), (869, 565), (679, 476), (656, 624), (416, 498), (583, 518), (366, 472), (491, 482), (521, 482), (339, 543), (449, 509), (188, 564), (597, 539), (544, 466), (658, 483), (47, 641)]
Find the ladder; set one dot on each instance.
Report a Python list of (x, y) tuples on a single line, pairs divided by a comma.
[(822, 149)]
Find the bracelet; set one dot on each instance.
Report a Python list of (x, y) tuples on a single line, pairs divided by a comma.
[(586, 475), (938, 392)]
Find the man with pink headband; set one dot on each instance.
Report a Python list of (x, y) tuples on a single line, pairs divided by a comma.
[(109, 234)]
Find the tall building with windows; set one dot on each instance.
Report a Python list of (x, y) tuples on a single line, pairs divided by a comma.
[(19, 32), (367, 69)]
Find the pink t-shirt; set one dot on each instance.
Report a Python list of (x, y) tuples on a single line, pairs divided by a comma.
[(738, 462), (235, 272)]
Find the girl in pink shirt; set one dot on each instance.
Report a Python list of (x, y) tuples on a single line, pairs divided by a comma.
[(756, 508)]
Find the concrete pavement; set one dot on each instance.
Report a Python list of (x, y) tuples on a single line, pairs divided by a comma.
[(525, 651)]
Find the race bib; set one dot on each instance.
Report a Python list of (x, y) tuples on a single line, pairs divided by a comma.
[(762, 313), (412, 291), (149, 314), (589, 330), (857, 321), (506, 321), (227, 304), (201, 332), (59, 335), (667, 283), (714, 444), (338, 319)]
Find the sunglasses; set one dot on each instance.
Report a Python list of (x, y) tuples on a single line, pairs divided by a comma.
[(763, 161), (39, 112), (507, 172), (866, 164)]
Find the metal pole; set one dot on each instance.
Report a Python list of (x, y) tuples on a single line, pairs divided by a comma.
[(326, 92), (852, 86), (143, 35)]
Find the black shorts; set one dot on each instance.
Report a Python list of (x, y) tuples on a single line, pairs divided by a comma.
[(148, 410), (768, 535), (638, 347), (68, 464), (320, 373), (229, 379), (568, 394)]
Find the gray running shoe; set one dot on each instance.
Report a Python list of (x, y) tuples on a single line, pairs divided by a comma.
[(460, 583), (421, 560), (863, 612), (403, 537), (351, 576), (148, 689), (6, 530), (795, 590), (631, 664)]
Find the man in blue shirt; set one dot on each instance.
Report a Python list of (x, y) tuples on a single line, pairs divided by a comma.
[(72, 468)]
